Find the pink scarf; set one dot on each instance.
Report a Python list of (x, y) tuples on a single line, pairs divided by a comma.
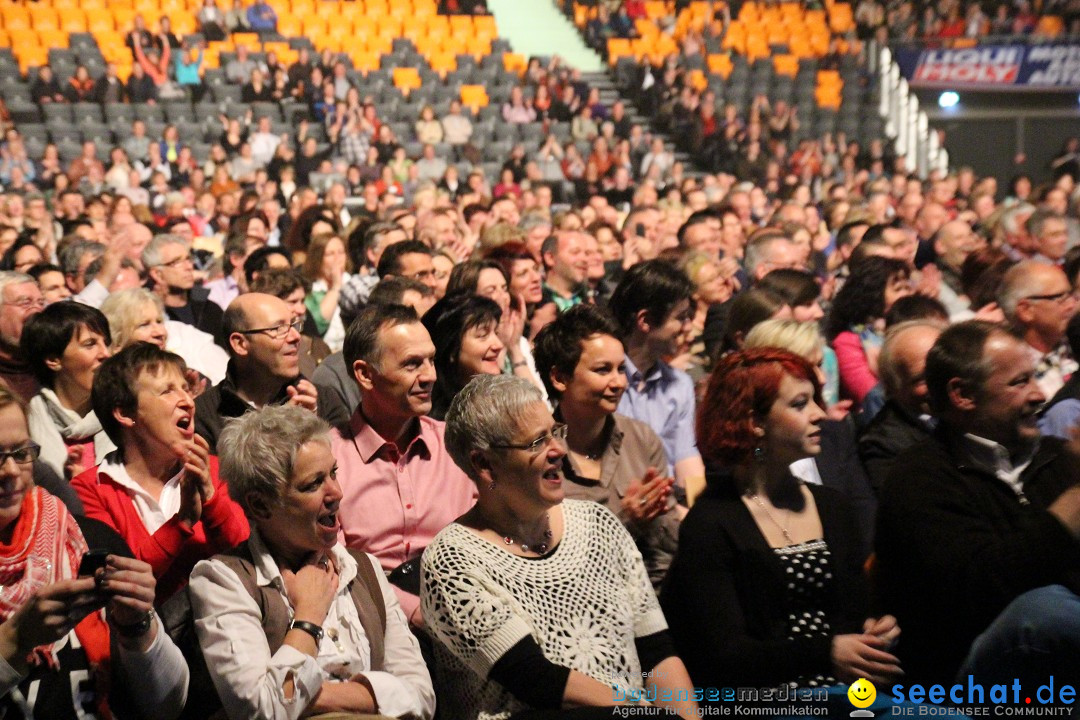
[(46, 546)]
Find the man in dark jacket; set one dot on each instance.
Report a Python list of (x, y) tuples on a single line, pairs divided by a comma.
[(905, 419), (171, 270), (264, 365), (978, 542)]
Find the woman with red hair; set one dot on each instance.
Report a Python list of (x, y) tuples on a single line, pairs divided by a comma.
[(767, 587)]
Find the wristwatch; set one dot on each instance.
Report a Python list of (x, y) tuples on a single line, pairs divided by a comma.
[(310, 628), (137, 629)]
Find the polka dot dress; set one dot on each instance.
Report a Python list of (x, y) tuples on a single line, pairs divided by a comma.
[(808, 569)]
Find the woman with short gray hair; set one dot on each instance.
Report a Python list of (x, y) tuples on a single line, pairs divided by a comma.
[(537, 604), (290, 622)]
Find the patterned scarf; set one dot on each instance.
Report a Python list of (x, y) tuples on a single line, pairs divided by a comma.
[(46, 546)]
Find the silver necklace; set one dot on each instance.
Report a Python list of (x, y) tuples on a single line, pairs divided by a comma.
[(539, 548), (782, 528)]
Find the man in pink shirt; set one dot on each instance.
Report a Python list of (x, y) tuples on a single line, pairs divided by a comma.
[(399, 485)]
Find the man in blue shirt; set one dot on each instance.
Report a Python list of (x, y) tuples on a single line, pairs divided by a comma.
[(262, 18), (653, 309)]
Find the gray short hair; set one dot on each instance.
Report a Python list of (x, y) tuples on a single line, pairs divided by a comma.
[(71, 255), (758, 249), (10, 277), (151, 254), (485, 413), (1019, 282), (257, 450)]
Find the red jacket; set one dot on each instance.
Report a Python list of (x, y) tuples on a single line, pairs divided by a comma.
[(173, 550)]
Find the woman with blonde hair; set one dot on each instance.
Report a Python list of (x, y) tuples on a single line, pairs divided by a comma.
[(138, 315)]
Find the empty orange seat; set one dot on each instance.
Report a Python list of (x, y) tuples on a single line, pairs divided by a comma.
[(720, 63), (23, 37), (249, 40), (515, 62), (443, 63), (484, 24), (474, 96), (44, 18), (617, 48), (15, 18), (123, 18), (478, 48), (1050, 26), (406, 78), (52, 38), (73, 20), (289, 25), (786, 65)]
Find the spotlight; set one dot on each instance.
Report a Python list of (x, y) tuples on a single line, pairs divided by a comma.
[(948, 99)]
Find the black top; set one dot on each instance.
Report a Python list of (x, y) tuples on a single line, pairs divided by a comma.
[(727, 599), (202, 313), (888, 434), (955, 545), (220, 403)]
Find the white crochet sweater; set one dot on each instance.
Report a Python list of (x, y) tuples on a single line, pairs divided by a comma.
[(584, 604)]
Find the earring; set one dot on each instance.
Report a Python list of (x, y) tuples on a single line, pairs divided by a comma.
[(759, 454), (492, 485)]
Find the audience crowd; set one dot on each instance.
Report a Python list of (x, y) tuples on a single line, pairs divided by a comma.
[(313, 426)]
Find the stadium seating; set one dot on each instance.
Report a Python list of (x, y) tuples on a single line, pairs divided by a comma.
[(403, 54)]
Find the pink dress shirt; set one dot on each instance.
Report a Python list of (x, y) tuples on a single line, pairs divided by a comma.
[(395, 503)]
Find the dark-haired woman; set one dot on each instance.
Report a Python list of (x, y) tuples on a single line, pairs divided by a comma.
[(768, 588), (488, 278), (856, 324), (160, 489), (464, 331), (611, 459), (21, 256), (65, 344)]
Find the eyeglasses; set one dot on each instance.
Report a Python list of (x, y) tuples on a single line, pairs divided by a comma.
[(25, 303), (558, 432), (23, 456), (278, 331), (1060, 298), (177, 262)]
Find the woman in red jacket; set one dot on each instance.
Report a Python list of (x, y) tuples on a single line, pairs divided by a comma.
[(160, 490)]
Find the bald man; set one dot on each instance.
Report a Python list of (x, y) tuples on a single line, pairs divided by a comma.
[(1038, 301), (264, 365), (904, 420)]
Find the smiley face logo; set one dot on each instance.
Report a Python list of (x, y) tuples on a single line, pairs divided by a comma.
[(862, 693)]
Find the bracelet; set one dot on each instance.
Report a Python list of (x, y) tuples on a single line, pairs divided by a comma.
[(519, 363), (135, 630), (310, 628)]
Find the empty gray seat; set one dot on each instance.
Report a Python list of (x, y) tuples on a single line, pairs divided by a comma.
[(56, 112), (148, 112), (86, 112), (64, 132)]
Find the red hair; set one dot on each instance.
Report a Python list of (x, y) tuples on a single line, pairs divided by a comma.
[(743, 387)]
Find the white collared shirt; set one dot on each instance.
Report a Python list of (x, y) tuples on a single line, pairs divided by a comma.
[(153, 513), (251, 680), (994, 458)]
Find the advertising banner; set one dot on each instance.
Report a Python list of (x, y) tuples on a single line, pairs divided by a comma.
[(987, 67)]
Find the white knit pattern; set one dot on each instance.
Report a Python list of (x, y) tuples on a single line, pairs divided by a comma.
[(583, 604)]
